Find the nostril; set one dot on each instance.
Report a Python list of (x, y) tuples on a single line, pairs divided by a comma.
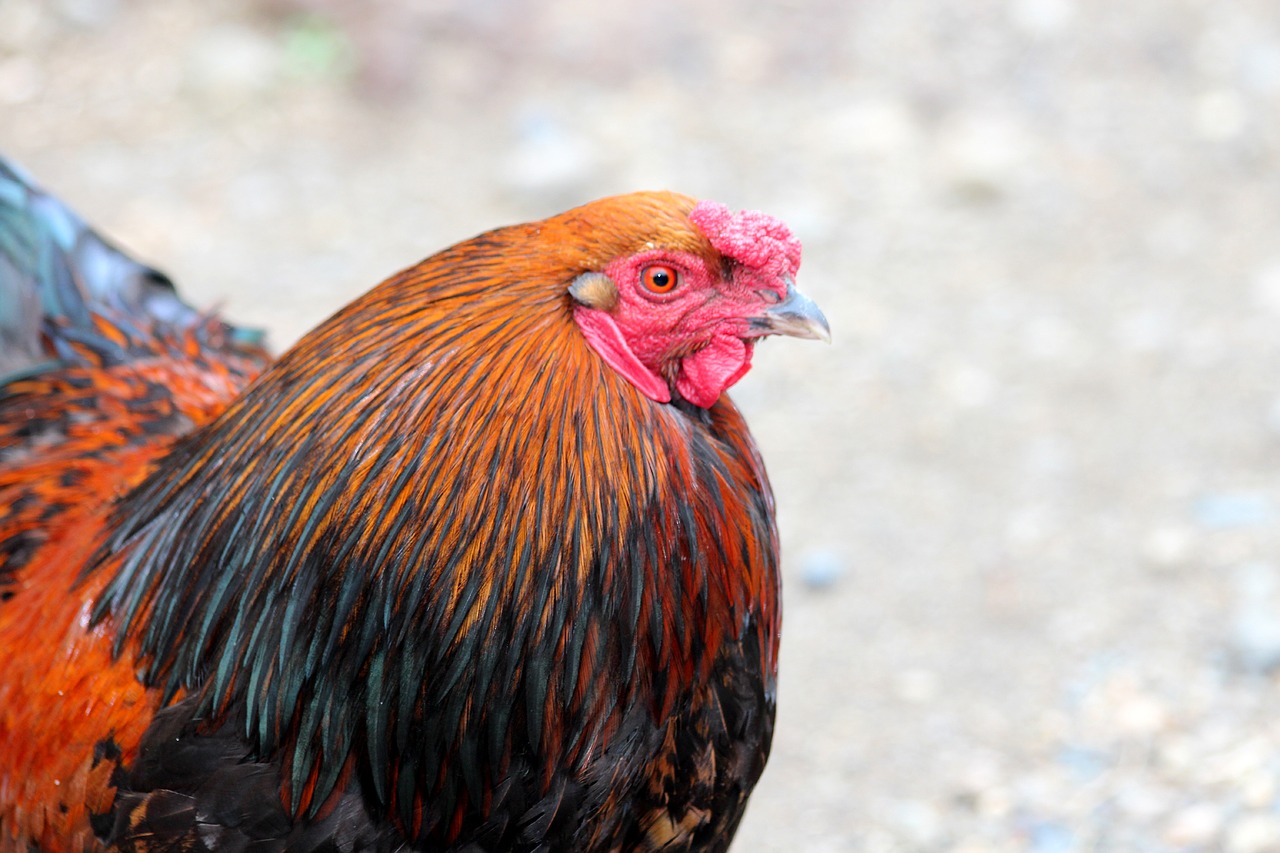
[(769, 295)]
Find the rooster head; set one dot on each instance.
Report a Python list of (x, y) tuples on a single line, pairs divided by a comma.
[(683, 301)]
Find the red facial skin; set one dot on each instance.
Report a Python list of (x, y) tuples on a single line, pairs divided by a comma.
[(699, 335)]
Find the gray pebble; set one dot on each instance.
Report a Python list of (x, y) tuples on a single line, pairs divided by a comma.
[(821, 568), (1233, 509), (1255, 625)]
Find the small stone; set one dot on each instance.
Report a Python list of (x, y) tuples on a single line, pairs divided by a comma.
[(1273, 416), (256, 196), (157, 78), (1142, 715), (919, 822), (821, 568), (1242, 760), (1233, 509), (231, 61), (1178, 235), (872, 126), (1051, 838), (1254, 833), (1196, 826), (1051, 339), (1255, 624), (744, 58), (26, 27), (994, 803), (1027, 528), (1142, 802), (917, 686), (20, 80), (982, 155), (1260, 69), (969, 386), (1168, 547), (1266, 287), (93, 14), (979, 773), (548, 156), (1049, 456), (1041, 17), (1178, 756), (1221, 115), (1085, 765), (1147, 331), (1258, 788)]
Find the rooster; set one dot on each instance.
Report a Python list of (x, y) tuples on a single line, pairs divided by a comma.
[(487, 561)]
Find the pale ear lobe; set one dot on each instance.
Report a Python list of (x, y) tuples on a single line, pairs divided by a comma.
[(595, 290)]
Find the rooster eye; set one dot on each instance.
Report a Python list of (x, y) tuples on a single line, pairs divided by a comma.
[(660, 279)]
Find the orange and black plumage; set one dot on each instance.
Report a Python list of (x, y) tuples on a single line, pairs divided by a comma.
[(451, 574)]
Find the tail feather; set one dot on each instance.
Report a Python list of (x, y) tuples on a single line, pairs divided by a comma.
[(57, 273)]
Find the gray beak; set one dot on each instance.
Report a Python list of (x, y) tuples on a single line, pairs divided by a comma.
[(797, 316)]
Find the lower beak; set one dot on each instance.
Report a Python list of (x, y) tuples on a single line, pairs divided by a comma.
[(796, 315)]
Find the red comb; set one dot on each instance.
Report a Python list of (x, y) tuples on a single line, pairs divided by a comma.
[(751, 238)]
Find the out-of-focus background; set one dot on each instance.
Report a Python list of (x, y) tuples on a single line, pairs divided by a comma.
[(1029, 498)]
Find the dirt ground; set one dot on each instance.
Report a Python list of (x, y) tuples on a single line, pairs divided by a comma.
[(1029, 497)]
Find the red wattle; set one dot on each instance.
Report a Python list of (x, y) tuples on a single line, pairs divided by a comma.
[(706, 374)]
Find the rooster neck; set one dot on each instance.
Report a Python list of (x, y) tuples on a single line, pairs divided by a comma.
[(443, 540)]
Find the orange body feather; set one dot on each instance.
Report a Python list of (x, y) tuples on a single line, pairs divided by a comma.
[(70, 710)]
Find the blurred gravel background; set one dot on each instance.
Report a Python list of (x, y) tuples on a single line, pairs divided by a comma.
[(1029, 498)]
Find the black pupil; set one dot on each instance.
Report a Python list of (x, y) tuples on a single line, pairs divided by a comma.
[(660, 279)]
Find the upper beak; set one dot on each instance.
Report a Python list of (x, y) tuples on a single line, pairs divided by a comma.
[(796, 315)]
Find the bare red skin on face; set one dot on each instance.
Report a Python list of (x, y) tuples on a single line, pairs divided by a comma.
[(700, 331)]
